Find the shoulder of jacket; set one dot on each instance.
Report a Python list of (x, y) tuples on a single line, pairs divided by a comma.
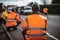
[(43, 17), (29, 16)]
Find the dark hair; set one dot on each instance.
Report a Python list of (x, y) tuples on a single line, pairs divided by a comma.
[(35, 8), (4, 8), (13, 10), (45, 6)]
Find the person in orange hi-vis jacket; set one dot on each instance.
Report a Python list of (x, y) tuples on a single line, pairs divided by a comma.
[(34, 26), (12, 20)]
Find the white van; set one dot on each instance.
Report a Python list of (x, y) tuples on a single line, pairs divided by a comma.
[(27, 10)]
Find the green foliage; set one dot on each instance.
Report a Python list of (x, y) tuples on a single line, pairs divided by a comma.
[(5, 14), (30, 4), (44, 2)]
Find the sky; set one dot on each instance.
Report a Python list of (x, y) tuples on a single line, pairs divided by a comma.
[(23, 2)]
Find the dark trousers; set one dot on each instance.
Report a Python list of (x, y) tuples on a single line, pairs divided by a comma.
[(24, 33), (14, 27)]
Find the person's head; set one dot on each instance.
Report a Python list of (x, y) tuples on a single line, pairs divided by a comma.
[(45, 7), (13, 10), (35, 8), (5, 9)]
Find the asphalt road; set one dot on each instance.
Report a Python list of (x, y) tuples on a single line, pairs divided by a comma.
[(54, 25), (53, 28)]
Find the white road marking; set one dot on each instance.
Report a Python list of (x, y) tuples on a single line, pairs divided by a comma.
[(11, 38), (48, 34)]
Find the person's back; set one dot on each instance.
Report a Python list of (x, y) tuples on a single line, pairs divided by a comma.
[(34, 26), (12, 20), (11, 16), (36, 18), (35, 22)]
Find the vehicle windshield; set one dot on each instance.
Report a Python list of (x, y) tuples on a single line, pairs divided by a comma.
[(9, 9), (27, 8)]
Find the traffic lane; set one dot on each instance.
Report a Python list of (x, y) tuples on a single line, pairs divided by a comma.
[(17, 34), (54, 25)]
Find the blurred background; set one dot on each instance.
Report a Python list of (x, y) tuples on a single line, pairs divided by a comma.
[(52, 5), (22, 6)]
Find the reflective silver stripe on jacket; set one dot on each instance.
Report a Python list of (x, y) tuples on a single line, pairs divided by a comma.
[(11, 19), (36, 34), (36, 29)]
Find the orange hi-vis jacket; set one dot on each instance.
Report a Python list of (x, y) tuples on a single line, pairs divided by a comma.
[(12, 19), (35, 26), (45, 10)]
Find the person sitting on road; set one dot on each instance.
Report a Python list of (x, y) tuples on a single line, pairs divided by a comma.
[(34, 26), (12, 20)]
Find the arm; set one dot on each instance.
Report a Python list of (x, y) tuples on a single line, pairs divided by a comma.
[(46, 23), (18, 18), (3, 15), (24, 24), (24, 28)]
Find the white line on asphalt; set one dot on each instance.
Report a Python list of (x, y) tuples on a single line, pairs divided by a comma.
[(48, 34), (7, 33)]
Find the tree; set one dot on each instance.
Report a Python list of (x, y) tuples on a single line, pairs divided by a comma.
[(30, 4), (44, 2)]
